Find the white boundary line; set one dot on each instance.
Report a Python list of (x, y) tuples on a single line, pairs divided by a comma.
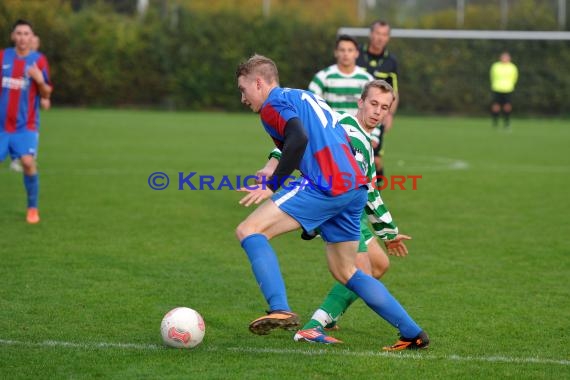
[(423, 356), (87, 346), (430, 163)]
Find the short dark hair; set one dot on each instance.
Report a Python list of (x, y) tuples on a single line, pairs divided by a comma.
[(346, 37), (22, 22), (378, 23)]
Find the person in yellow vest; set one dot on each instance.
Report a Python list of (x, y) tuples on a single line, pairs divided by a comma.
[(504, 76)]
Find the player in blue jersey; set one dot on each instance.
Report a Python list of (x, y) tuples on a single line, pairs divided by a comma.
[(330, 195), (45, 104), (25, 80)]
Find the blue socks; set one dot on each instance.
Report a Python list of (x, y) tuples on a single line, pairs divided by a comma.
[(266, 270), (31, 182), (268, 275), (379, 299)]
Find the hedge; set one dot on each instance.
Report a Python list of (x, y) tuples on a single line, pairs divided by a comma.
[(186, 60)]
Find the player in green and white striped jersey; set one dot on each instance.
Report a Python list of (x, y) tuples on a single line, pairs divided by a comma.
[(377, 213), (341, 84), (374, 104)]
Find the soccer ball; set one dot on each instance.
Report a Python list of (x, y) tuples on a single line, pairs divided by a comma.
[(182, 327)]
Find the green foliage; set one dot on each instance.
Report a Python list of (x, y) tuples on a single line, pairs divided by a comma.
[(453, 75), (180, 57), (213, 45), (521, 15), (112, 60)]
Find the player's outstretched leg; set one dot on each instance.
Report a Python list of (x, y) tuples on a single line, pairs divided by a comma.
[(370, 258), (379, 299), (266, 269)]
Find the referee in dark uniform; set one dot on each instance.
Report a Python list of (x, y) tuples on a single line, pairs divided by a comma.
[(377, 60)]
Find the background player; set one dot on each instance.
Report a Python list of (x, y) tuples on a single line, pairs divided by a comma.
[(375, 57), (45, 104), (341, 84), (504, 75), (25, 79)]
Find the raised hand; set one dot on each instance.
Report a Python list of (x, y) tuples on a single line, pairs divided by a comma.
[(396, 246)]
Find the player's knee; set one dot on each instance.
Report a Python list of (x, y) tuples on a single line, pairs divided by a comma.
[(244, 229), (495, 107), (27, 160), (507, 107), (363, 263), (379, 269), (28, 164), (380, 263), (342, 275)]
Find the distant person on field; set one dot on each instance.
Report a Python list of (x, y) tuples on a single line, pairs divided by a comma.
[(504, 75), (25, 79), (375, 57), (341, 84), (45, 104)]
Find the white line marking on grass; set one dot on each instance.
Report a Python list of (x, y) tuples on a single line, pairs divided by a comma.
[(529, 168), (431, 163), (438, 163), (406, 355), (87, 346)]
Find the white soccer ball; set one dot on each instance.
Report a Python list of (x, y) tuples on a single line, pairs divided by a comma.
[(182, 327)]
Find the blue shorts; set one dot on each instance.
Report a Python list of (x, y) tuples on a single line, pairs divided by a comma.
[(338, 218), (18, 144)]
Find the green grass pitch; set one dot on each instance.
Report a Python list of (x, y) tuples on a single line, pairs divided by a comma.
[(82, 294)]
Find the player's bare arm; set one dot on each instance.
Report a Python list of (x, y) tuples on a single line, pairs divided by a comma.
[(38, 77), (268, 170)]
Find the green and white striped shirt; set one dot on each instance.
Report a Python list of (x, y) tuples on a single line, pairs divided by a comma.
[(341, 91), (378, 214)]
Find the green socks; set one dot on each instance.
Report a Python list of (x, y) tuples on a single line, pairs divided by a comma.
[(335, 304)]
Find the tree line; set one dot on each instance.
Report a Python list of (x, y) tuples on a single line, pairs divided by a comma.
[(180, 58)]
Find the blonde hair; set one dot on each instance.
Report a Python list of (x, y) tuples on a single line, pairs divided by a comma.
[(380, 84), (259, 65)]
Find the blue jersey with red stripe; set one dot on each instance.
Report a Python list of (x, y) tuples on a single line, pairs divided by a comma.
[(20, 97), (328, 160)]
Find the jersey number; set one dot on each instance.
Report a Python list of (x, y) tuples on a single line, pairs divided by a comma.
[(319, 106)]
